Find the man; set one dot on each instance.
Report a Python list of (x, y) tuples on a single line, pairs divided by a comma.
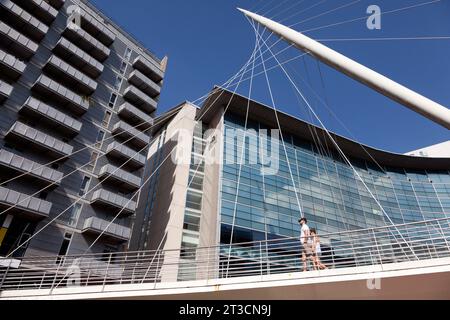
[(304, 241)]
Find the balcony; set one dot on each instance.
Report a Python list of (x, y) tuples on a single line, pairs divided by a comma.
[(62, 122), (10, 66), (26, 206), (125, 154), (87, 43), (139, 99), (5, 91), (20, 45), (21, 20), (70, 76), (40, 9), (148, 68), (115, 232), (38, 140), (135, 116), (60, 94), (56, 3), (146, 85), (78, 58), (15, 163), (119, 178), (130, 134), (97, 29), (113, 202)]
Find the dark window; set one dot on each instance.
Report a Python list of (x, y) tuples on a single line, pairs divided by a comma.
[(43, 195), (123, 67), (106, 119), (100, 136), (91, 164), (118, 83), (128, 52), (64, 246), (112, 100), (109, 254), (84, 185)]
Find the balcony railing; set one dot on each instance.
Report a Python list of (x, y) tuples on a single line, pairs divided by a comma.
[(87, 43), (135, 116), (148, 68), (402, 245), (114, 232), (119, 178), (114, 202), (21, 20), (10, 66), (15, 163), (139, 99), (33, 138), (78, 58), (125, 155), (5, 90), (40, 9), (20, 45), (146, 85), (132, 135), (97, 29), (63, 96), (25, 206), (60, 121), (70, 76)]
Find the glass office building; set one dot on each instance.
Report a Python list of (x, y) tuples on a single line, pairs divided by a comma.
[(233, 201), (331, 196)]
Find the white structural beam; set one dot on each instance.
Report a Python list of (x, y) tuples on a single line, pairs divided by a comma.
[(397, 92)]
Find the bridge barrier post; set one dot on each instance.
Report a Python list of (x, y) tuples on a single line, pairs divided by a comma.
[(158, 254), (377, 247), (261, 258), (56, 275), (107, 270), (441, 230), (6, 272)]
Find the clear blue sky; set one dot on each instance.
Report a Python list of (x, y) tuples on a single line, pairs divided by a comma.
[(207, 41)]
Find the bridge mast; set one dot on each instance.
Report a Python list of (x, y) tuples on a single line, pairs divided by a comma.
[(391, 89)]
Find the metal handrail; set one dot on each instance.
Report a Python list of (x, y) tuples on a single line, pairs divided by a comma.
[(372, 246)]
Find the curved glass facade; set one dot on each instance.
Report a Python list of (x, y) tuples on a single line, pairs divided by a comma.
[(331, 196)]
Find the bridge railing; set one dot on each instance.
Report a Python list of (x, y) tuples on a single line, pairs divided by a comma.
[(375, 246)]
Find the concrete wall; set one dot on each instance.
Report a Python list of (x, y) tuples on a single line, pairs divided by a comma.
[(213, 167), (166, 222)]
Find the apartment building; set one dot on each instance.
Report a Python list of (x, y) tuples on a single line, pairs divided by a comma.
[(77, 99)]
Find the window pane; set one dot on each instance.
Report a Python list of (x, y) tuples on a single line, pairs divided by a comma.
[(123, 67), (84, 185), (128, 52), (106, 118), (112, 100)]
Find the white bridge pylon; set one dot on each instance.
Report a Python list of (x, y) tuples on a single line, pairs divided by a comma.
[(391, 89)]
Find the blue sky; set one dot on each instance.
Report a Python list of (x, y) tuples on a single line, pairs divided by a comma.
[(207, 41)]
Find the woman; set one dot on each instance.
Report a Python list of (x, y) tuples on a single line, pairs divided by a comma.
[(317, 251)]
